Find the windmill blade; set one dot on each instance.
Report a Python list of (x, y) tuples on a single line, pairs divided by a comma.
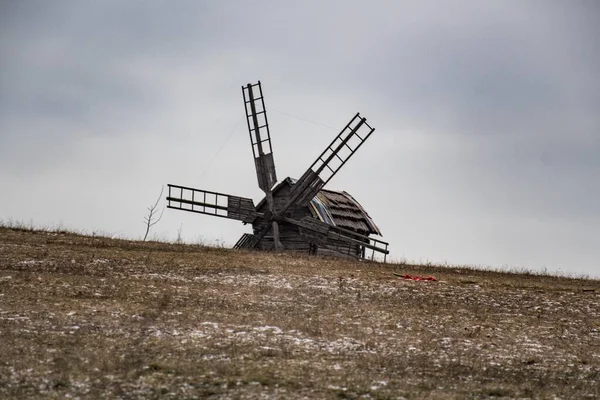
[(260, 137), (211, 203), (245, 242), (345, 144)]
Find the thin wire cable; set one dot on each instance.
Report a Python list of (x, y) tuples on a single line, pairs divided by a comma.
[(310, 121), (303, 119), (221, 148)]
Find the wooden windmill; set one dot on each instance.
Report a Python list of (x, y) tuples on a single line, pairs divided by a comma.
[(298, 214)]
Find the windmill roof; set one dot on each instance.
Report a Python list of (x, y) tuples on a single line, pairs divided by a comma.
[(337, 208)]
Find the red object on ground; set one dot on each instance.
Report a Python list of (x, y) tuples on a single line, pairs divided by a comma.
[(418, 278)]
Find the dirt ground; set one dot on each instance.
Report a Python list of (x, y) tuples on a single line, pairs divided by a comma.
[(92, 317)]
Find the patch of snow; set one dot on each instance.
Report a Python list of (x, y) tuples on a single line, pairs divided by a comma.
[(378, 385), (29, 262), (276, 330)]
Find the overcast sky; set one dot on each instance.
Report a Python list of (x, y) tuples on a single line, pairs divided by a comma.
[(487, 117)]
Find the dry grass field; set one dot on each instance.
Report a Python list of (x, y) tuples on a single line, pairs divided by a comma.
[(92, 317)]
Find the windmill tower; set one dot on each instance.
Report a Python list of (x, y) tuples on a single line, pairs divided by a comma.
[(297, 215)]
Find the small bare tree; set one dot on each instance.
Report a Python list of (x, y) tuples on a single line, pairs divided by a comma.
[(150, 220)]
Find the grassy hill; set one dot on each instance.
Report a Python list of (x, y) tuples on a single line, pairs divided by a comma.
[(94, 317)]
